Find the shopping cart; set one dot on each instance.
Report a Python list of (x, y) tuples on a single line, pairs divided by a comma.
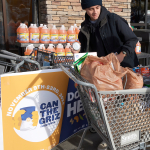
[(121, 118), (11, 62)]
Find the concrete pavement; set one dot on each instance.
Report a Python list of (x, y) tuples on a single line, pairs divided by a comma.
[(91, 142)]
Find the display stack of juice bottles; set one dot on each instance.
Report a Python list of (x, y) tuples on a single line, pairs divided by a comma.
[(42, 34), (60, 41)]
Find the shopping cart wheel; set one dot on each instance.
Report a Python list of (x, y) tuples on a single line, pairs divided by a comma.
[(92, 130), (102, 146)]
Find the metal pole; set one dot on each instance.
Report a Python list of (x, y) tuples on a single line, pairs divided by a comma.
[(5, 24), (146, 8)]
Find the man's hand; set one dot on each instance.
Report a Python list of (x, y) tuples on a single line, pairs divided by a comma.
[(120, 57)]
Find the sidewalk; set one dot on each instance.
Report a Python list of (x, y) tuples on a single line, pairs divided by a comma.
[(91, 142)]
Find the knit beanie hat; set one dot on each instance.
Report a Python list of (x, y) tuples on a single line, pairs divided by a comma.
[(89, 3)]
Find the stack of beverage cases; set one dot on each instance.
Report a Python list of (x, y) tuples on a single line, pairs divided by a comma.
[(43, 35)]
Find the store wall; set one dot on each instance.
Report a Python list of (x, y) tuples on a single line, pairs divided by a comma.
[(69, 12)]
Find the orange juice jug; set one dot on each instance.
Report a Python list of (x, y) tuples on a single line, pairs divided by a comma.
[(75, 29), (77, 33), (44, 35), (68, 50), (18, 32), (23, 34), (34, 34), (62, 37), (54, 35), (41, 47), (60, 50), (138, 48), (29, 50), (71, 37), (51, 48)]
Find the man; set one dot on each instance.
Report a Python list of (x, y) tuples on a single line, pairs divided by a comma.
[(104, 32)]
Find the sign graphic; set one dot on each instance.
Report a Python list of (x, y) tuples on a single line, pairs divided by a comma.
[(33, 110), (39, 109)]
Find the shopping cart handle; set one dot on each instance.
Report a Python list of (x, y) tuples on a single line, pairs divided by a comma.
[(9, 53), (9, 57), (18, 66)]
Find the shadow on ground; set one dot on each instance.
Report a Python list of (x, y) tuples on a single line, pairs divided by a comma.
[(91, 142)]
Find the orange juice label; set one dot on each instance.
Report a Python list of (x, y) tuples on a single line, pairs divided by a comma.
[(60, 53), (45, 37), (24, 36), (69, 54), (34, 37), (138, 49), (71, 37), (54, 37), (62, 37)]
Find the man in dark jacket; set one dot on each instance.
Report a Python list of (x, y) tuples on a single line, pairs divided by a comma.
[(104, 32)]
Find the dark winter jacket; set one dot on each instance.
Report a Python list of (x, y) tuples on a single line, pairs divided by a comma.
[(115, 36)]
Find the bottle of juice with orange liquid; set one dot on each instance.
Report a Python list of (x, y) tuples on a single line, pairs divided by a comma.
[(23, 34), (62, 37), (71, 37), (44, 35), (60, 50), (68, 50), (54, 35), (41, 47), (34, 34), (77, 33), (51, 48), (18, 31), (138, 48), (29, 50)]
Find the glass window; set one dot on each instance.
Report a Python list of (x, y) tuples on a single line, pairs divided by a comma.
[(148, 15), (138, 11), (2, 43), (17, 11)]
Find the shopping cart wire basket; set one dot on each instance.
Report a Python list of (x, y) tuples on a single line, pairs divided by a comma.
[(121, 118), (17, 63)]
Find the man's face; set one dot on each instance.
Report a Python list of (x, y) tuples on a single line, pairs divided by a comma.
[(94, 12)]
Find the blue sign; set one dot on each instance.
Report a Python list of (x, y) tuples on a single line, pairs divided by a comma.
[(74, 118)]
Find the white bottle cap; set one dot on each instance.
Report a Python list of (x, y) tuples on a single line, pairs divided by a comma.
[(76, 46)]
